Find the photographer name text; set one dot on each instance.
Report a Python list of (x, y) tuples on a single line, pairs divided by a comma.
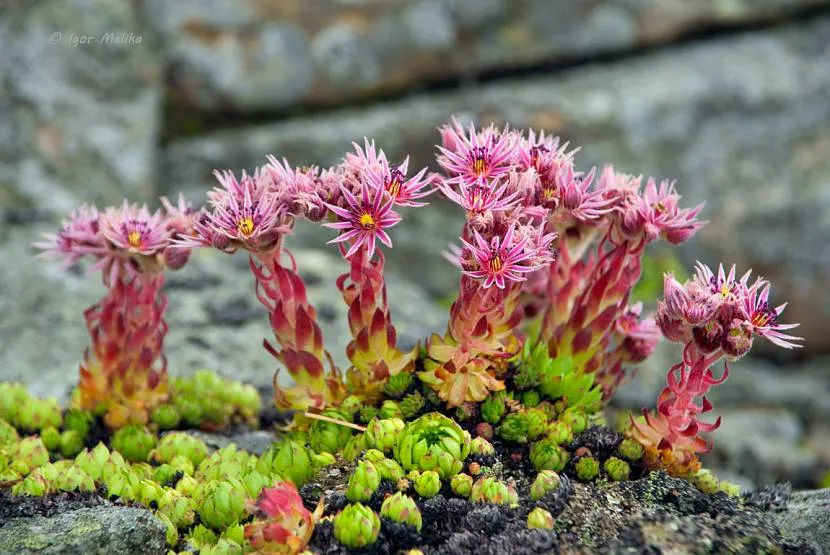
[(75, 40)]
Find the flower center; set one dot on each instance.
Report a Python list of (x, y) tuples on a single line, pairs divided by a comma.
[(763, 316), (480, 161), (367, 221), (658, 206), (496, 263), (394, 185), (134, 239), (725, 290), (246, 226)]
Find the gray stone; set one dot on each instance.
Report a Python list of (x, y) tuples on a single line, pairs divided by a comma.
[(765, 445), (80, 93), (694, 113), (255, 442), (251, 55), (807, 516), (100, 530), (44, 336)]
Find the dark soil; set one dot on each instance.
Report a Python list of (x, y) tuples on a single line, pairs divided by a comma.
[(48, 505)]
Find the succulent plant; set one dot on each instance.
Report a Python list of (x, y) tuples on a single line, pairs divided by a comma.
[(92, 460), (354, 447), (234, 533), (171, 533), (289, 459), (546, 454), (51, 438), (179, 443), (531, 399), (201, 537), (427, 484), (363, 482), (367, 413), (8, 434), (165, 416), (321, 460), (412, 404), (576, 419), (149, 491), (389, 470), (31, 451), (631, 449), (220, 504), (396, 385), (390, 409), (382, 434), (617, 469), (493, 408), (705, 481), (73, 478), (587, 468), (177, 507), (562, 379), (540, 518), (488, 489), (482, 447), (71, 443), (462, 485), (401, 508), (187, 485), (122, 482), (433, 442), (537, 422), (183, 464), (38, 414), (31, 486), (514, 428), (12, 397), (223, 546), (328, 437), (356, 526), (729, 488), (545, 482), (134, 442), (560, 432)]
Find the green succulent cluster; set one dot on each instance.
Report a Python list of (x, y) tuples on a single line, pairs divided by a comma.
[(290, 459), (488, 489), (521, 427), (205, 398), (356, 526), (401, 508), (433, 442), (545, 482), (546, 454), (397, 385), (328, 437), (363, 482), (557, 379), (382, 434), (134, 442), (27, 413)]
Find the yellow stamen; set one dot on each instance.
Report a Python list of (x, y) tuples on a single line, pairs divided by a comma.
[(394, 187), (367, 221), (479, 166), (134, 239), (496, 264), (724, 290), (246, 226), (760, 320), (658, 206)]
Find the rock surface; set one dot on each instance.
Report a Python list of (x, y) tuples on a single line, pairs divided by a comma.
[(98, 530), (807, 515), (254, 55), (698, 113), (80, 94)]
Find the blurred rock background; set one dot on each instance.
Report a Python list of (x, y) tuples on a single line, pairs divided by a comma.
[(103, 99)]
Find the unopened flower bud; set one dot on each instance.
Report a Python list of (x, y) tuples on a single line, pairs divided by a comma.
[(737, 341)]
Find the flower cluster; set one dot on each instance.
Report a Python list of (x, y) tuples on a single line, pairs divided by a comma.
[(123, 373), (530, 218), (715, 317)]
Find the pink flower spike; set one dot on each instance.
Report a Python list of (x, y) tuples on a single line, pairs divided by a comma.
[(364, 220), (404, 191), (479, 155), (133, 229), (754, 303), (500, 260)]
